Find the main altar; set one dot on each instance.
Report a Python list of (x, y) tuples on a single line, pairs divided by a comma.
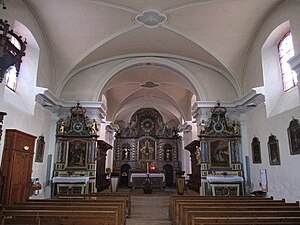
[(146, 141)]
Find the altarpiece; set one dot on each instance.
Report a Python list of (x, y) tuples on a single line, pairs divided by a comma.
[(146, 142), (219, 145), (76, 152)]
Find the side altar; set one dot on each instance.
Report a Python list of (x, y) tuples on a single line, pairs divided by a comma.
[(76, 152), (219, 148)]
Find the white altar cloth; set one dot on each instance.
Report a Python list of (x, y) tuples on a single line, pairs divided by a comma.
[(133, 175), (70, 180), (227, 179)]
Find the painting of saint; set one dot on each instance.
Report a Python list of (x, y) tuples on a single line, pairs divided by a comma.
[(219, 153), (77, 154), (274, 155), (294, 136)]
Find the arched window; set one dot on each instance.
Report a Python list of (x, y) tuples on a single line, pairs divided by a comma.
[(285, 52)]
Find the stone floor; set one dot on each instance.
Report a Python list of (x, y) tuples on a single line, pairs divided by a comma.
[(150, 209)]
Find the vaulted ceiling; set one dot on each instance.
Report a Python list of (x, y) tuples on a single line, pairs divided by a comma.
[(214, 33)]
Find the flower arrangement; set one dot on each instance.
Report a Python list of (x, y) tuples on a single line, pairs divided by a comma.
[(147, 186)]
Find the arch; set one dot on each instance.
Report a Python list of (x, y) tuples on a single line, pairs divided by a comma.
[(24, 96), (159, 61), (169, 175), (124, 174)]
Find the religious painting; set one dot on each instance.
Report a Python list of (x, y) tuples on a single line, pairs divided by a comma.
[(294, 136), (220, 153), (77, 154), (273, 146), (39, 155), (147, 150), (256, 154)]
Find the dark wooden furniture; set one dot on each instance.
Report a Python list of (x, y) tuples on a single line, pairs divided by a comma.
[(195, 177), (17, 166), (101, 182)]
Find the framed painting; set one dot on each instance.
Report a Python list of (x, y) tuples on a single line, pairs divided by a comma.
[(273, 146), (294, 136), (77, 154), (147, 150), (220, 153), (40, 148), (256, 153)]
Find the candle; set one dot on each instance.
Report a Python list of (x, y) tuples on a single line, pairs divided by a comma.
[(147, 167)]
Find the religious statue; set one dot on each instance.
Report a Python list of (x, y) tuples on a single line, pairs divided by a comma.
[(126, 153), (61, 127), (202, 127), (235, 128), (93, 127), (168, 155), (198, 155)]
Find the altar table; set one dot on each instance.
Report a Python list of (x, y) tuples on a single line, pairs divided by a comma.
[(137, 179), (225, 185), (70, 184)]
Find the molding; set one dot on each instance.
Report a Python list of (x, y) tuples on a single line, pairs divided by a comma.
[(295, 64)]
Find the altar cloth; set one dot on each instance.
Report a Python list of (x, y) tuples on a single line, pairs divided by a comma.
[(133, 175), (71, 180), (223, 179)]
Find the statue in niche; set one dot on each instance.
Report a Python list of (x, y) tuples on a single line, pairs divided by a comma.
[(126, 153), (168, 154), (198, 155), (147, 151)]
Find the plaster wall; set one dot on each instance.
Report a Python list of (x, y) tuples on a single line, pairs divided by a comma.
[(18, 11), (287, 11), (283, 179), (39, 123)]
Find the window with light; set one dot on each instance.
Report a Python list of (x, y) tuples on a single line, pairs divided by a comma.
[(286, 52), (11, 72)]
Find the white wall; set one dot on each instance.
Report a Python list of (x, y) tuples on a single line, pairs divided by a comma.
[(283, 179)]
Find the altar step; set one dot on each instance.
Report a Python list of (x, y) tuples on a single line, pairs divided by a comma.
[(149, 209)]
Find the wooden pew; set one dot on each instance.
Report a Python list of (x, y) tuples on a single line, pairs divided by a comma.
[(174, 207), (175, 198), (80, 202), (181, 206), (65, 208), (239, 214), (100, 195), (185, 211), (61, 217), (245, 221)]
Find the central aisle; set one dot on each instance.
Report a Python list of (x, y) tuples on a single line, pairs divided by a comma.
[(150, 209)]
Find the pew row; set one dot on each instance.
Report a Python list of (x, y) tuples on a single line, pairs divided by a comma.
[(100, 195), (63, 210)]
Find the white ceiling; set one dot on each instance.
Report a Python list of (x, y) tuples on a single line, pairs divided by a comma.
[(216, 33)]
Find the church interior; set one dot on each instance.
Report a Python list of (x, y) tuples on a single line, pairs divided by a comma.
[(184, 95)]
